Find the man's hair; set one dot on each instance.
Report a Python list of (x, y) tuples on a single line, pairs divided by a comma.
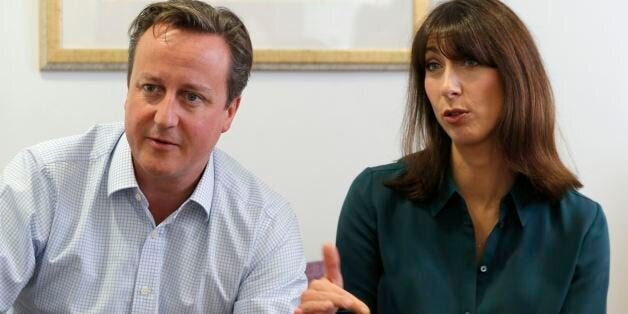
[(197, 16), (489, 32)]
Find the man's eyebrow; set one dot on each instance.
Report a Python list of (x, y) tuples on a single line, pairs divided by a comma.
[(197, 87), (149, 77), (191, 86)]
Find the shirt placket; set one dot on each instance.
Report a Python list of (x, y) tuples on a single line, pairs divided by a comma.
[(485, 267), (468, 303), (147, 281), (146, 290)]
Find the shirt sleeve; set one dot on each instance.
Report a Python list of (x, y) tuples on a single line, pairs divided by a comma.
[(24, 193), (588, 290), (276, 276), (357, 242)]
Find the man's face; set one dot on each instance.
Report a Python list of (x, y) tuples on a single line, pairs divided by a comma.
[(175, 106)]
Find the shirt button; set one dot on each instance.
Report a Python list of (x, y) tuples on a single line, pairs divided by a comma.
[(145, 291), (467, 312), (138, 197), (483, 268)]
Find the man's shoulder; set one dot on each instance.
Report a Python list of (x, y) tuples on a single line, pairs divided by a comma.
[(96, 142), (233, 180)]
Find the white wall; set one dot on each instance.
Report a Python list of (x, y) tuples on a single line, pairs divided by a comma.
[(308, 134)]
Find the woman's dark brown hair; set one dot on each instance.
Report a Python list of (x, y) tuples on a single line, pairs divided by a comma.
[(489, 32)]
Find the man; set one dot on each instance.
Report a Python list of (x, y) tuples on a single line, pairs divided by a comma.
[(148, 217)]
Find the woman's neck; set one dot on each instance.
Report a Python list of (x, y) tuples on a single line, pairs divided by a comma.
[(483, 178), (481, 174)]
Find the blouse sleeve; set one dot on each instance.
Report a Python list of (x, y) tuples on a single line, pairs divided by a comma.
[(357, 242), (589, 286)]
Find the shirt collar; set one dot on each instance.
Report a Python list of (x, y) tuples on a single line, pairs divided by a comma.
[(122, 176), (522, 194), (204, 191), (447, 189)]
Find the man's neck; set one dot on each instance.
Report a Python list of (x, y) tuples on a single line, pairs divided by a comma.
[(165, 196)]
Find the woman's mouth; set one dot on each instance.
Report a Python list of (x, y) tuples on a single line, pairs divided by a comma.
[(454, 116)]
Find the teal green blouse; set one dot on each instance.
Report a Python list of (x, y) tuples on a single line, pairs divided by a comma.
[(400, 256)]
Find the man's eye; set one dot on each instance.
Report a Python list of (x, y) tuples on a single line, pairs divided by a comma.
[(191, 97), (150, 88)]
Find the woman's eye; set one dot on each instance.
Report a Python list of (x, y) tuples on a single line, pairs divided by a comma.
[(471, 62), (432, 66)]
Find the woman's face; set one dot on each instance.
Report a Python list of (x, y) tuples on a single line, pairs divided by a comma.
[(467, 97)]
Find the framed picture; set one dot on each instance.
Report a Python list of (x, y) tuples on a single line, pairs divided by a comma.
[(286, 34)]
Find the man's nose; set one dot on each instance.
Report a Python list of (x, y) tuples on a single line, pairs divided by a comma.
[(166, 112)]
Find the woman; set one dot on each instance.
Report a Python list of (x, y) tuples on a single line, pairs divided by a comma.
[(480, 216)]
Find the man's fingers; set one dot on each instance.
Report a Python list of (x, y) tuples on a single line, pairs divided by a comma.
[(332, 264)]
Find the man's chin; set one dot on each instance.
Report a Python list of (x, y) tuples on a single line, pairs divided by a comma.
[(156, 167)]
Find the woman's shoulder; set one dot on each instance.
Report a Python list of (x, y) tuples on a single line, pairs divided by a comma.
[(371, 184), (382, 173), (578, 206), (572, 204), (574, 212), (575, 197)]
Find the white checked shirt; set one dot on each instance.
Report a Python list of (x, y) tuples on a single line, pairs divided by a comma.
[(76, 236)]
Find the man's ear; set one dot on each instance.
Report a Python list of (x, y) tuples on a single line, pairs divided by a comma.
[(231, 112)]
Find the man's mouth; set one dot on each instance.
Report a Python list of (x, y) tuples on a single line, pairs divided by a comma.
[(162, 141)]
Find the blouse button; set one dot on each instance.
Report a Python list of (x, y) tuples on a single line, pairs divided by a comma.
[(483, 268)]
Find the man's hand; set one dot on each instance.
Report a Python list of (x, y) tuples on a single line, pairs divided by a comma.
[(326, 295)]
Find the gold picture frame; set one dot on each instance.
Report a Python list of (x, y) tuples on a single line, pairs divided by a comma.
[(53, 56)]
